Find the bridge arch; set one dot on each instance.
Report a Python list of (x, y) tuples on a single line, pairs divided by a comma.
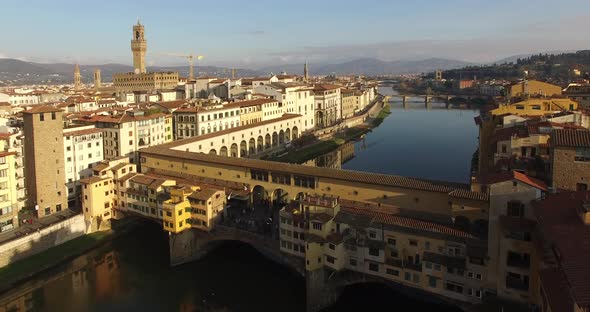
[(212, 152), (223, 151), (275, 139), (252, 146), (281, 137), (259, 196), (243, 149), (234, 150), (259, 144)]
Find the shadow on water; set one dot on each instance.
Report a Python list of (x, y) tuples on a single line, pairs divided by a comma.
[(132, 273), (379, 297)]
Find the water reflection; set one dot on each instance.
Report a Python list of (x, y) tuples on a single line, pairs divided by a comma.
[(434, 141), (133, 274)]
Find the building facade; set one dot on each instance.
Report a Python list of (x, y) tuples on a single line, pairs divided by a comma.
[(328, 106), (44, 161), (570, 159), (83, 148)]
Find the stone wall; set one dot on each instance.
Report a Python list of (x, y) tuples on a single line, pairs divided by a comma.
[(46, 238), (566, 173)]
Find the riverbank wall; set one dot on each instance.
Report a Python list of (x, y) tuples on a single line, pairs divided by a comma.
[(371, 112), (36, 242)]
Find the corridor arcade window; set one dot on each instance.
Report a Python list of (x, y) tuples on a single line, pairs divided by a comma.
[(304, 181), (259, 175), (281, 178)]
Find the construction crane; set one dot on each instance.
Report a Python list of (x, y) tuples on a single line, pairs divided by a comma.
[(191, 58)]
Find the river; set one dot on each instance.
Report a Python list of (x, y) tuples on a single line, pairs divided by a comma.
[(132, 272), (435, 143)]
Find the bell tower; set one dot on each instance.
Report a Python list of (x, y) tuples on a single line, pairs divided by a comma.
[(138, 47)]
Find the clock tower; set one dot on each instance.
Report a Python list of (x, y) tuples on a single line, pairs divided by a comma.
[(138, 47)]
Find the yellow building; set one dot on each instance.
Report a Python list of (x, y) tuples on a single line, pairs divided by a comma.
[(116, 190), (525, 88), (536, 107), (193, 207), (350, 102), (100, 192), (376, 240)]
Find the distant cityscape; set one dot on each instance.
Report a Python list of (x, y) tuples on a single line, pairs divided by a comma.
[(213, 154)]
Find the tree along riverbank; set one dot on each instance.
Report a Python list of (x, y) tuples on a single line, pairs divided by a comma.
[(25, 269), (318, 148)]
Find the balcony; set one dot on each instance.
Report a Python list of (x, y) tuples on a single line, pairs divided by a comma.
[(516, 283), (412, 266)]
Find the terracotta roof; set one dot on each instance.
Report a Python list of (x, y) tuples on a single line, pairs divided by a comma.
[(42, 109), (392, 219), (513, 175), (325, 87), (122, 118), (203, 194), (556, 289), (254, 102), (5, 135), (570, 138), (529, 180), (171, 104), (143, 179), (101, 166), (505, 134), (467, 194), (562, 228), (2, 154), (82, 132), (92, 180), (349, 175)]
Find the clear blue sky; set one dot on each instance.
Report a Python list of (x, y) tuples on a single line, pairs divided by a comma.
[(258, 32)]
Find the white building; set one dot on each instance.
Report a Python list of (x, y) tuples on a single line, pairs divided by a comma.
[(127, 132), (293, 98), (83, 148), (328, 105), (218, 118), (16, 98)]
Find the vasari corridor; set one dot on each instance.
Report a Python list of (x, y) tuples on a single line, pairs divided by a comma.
[(294, 156)]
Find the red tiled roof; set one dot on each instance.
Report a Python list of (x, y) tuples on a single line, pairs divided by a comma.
[(5, 135), (392, 219), (123, 118), (171, 104), (570, 138), (82, 132), (513, 175), (325, 87), (255, 102), (42, 109), (530, 181), (467, 194), (558, 219), (556, 289)]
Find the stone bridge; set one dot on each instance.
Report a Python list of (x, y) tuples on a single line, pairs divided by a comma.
[(191, 245)]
